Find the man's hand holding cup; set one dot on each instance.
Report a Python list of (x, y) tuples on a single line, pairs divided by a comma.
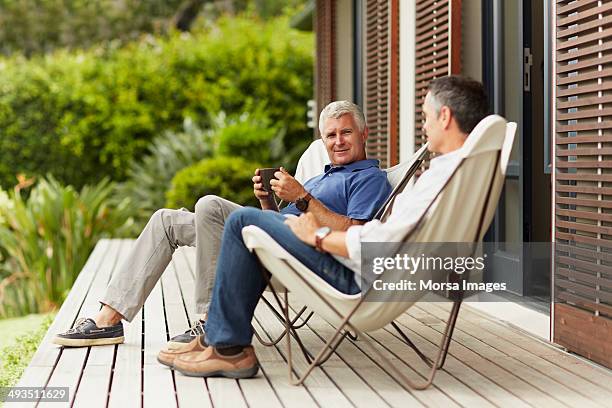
[(286, 187)]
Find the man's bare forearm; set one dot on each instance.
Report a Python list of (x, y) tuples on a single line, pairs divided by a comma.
[(330, 219)]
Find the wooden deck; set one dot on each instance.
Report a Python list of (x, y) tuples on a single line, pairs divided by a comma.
[(489, 364)]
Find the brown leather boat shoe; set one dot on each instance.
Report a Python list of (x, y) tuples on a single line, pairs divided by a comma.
[(209, 363), (167, 356)]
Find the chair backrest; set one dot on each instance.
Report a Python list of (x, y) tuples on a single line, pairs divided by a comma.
[(500, 177), (312, 162), (458, 214)]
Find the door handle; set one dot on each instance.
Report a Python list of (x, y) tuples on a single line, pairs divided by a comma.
[(527, 64)]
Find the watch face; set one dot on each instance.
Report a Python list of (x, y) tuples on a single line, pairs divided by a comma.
[(301, 204), (322, 232)]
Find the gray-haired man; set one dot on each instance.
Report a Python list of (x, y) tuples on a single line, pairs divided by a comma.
[(348, 193)]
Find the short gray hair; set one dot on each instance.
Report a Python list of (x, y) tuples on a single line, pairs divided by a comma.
[(339, 108)]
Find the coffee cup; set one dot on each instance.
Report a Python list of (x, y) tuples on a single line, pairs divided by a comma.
[(267, 175)]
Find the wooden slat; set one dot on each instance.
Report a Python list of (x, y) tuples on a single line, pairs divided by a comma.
[(584, 15), (584, 252), (584, 291), (604, 178), (158, 386), (585, 227), (571, 32), (584, 51), (583, 101), (583, 39), (190, 391), (584, 277), (606, 86), (585, 114), (563, 297), (565, 188), (584, 164), (126, 389), (575, 5), (587, 63)]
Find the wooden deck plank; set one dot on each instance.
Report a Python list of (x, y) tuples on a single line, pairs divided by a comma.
[(126, 387), (225, 392), (184, 268), (158, 389), (532, 368)]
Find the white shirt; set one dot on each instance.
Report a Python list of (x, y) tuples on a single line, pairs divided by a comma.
[(407, 209)]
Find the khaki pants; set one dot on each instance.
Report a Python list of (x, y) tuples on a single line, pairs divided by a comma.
[(164, 233)]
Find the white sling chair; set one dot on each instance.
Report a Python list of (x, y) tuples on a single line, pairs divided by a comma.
[(311, 164), (476, 185)]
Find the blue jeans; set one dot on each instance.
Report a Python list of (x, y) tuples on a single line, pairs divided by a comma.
[(239, 281)]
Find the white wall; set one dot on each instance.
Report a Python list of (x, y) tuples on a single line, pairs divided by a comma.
[(407, 75), (344, 50)]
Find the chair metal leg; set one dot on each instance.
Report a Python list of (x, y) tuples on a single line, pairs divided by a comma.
[(407, 340), (438, 362), (344, 330), (452, 319)]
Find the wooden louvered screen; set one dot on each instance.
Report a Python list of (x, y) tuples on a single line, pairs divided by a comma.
[(325, 84), (438, 49), (381, 96), (583, 161)]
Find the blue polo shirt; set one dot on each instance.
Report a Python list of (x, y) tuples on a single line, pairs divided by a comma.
[(355, 190)]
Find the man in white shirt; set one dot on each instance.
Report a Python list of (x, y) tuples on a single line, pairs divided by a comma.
[(452, 108)]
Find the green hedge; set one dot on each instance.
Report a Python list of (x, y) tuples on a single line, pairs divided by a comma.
[(83, 116), (227, 177)]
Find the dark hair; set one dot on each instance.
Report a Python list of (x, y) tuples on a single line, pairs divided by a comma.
[(465, 98)]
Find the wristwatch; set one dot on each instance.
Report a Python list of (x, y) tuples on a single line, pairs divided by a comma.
[(319, 235), (302, 203)]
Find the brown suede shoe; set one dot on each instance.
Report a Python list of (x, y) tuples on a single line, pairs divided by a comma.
[(209, 363), (167, 356)]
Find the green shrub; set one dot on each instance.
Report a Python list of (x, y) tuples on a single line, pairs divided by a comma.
[(15, 358), (148, 179), (46, 240), (227, 177), (250, 136), (85, 115)]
